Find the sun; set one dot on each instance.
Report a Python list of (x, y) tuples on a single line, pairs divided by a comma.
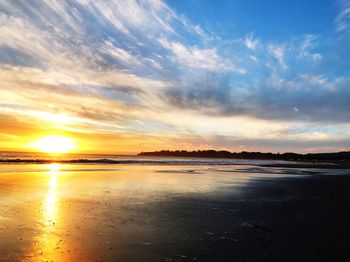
[(55, 144)]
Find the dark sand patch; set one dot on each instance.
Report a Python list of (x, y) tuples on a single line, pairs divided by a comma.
[(293, 219)]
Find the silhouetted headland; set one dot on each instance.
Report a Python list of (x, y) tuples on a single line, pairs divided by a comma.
[(339, 156), (313, 159)]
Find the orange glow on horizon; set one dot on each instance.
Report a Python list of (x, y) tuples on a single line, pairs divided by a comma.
[(55, 144)]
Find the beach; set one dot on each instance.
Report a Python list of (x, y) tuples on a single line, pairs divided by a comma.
[(173, 212), (174, 131)]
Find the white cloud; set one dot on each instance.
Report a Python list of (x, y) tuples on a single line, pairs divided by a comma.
[(277, 82), (342, 21), (193, 57), (318, 80), (198, 29), (306, 45), (66, 56), (109, 48), (316, 57), (251, 42), (252, 57), (278, 52)]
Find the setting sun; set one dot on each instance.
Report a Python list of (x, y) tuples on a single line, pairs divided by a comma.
[(54, 144)]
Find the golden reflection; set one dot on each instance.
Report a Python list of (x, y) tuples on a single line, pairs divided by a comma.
[(50, 211), (48, 243), (54, 168)]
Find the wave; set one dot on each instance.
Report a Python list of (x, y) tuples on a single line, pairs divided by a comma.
[(130, 160), (119, 161), (39, 158)]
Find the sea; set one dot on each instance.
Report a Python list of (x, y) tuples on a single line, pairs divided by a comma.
[(44, 158)]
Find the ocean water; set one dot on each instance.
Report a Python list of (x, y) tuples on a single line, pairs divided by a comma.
[(24, 157)]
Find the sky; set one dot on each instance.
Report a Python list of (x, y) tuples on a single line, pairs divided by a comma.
[(126, 76)]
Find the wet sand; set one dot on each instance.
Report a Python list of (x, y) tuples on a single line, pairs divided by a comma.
[(173, 213), (318, 165)]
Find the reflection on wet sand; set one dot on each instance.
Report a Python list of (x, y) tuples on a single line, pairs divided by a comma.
[(62, 212), (47, 243), (50, 213)]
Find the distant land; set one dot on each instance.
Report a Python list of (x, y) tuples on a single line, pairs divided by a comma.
[(310, 157)]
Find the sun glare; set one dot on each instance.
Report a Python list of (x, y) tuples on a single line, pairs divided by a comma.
[(54, 144)]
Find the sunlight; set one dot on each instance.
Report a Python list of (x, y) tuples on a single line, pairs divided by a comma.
[(50, 205), (54, 168), (48, 239), (54, 144)]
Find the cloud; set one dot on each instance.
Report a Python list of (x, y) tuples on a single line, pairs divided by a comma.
[(318, 80), (134, 67), (251, 42), (306, 45), (316, 98), (110, 48), (342, 21), (193, 57), (278, 52), (280, 143)]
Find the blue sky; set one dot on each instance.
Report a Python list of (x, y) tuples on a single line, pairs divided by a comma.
[(147, 75), (271, 19)]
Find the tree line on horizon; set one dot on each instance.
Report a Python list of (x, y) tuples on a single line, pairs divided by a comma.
[(338, 156)]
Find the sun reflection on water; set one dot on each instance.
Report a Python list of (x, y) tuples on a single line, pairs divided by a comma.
[(54, 168)]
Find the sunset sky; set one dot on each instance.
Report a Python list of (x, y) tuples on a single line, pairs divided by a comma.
[(130, 76)]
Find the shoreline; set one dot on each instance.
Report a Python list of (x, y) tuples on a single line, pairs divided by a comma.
[(291, 164)]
